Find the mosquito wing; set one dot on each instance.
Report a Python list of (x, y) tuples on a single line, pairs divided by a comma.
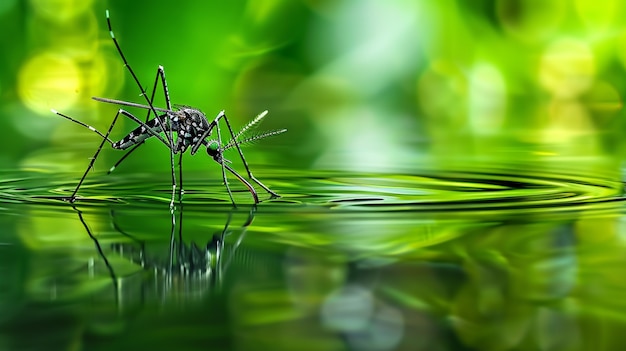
[(130, 104)]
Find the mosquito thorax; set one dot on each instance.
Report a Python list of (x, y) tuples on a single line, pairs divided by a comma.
[(192, 116)]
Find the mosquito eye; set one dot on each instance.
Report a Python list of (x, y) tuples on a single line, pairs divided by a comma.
[(212, 148)]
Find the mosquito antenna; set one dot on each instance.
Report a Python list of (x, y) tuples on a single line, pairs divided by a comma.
[(251, 124), (253, 138)]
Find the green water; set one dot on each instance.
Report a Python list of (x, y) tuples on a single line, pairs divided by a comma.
[(489, 259)]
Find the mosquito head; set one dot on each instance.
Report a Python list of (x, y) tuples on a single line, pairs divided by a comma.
[(213, 148)]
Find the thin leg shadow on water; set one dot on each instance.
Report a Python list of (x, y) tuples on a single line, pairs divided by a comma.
[(189, 269), (100, 252)]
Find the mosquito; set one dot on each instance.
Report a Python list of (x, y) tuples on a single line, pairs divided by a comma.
[(179, 128)]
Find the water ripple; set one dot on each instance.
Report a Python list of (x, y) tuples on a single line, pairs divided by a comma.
[(428, 191)]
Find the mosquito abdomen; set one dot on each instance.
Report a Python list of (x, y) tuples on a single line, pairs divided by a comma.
[(139, 134)]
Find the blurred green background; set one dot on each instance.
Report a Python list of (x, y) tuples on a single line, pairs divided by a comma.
[(494, 261), (361, 85)]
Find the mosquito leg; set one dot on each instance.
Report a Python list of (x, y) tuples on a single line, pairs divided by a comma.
[(146, 129), (132, 73), (202, 140), (160, 74), (243, 159), (174, 151), (244, 181), (170, 141), (127, 114), (172, 147), (219, 158), (224, 165), (168, 104), (180, 176), (124, 157), (105, 138), (166, 94)]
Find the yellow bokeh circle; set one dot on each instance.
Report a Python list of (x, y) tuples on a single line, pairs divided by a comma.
[(49, 81)]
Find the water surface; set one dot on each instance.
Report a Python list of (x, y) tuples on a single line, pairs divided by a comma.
[(482, 259)]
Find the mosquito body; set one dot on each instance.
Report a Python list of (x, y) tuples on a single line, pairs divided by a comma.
[(179, 128), (188, 123)]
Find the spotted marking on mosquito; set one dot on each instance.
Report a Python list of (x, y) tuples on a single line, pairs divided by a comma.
[(109, 19), (187, 123), (139, 134)]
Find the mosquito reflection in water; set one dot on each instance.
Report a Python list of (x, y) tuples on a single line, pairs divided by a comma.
[(187, 270)]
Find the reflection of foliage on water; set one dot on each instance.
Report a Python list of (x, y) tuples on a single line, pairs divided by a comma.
[(512, 285), (518, 282)]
